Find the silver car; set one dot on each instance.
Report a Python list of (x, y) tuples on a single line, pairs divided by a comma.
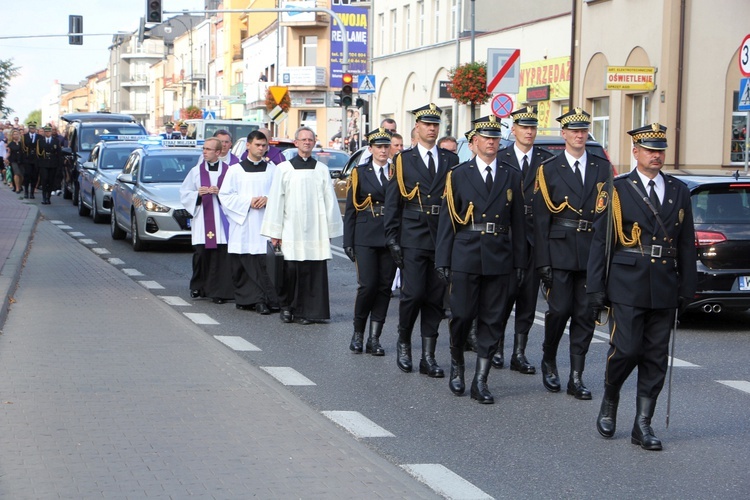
[(146, 196), (98, 177)]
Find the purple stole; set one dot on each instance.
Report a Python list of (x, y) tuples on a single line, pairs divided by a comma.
[(207, 200)]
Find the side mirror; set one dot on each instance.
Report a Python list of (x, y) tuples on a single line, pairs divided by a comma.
[(125, 178), (89, 165)]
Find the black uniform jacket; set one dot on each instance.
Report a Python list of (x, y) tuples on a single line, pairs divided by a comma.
[(408, 226), (559, 246), (49, 154), (491, 252), (365, 227), (29, 147), (507, 156), (643, 280)]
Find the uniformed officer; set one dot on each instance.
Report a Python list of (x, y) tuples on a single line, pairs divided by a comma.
[(524, 157), (31, 168), (169, 132), (49, 160), (564, 202), (364, 242), (651, 272), (480, 249), (412, 207), (182, 134)]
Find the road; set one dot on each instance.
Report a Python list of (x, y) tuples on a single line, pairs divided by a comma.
[(530, 443)]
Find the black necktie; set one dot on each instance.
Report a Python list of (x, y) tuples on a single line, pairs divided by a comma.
[(577, 166), (488, 179), (652, 196), (525, 167), (48, 141), (383, 178), (431, 164)]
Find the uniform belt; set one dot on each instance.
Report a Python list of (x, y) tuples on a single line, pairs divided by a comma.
[(487, 227), (579, 224), (528, 210), (376, 211), (427, 209), (656, 251)]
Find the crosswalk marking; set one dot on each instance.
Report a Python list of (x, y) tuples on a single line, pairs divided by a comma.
[(65, 227), (151, 285), (683, 364), (236, 343), (287, 375), (741, 385), (132, 272), (173, 300), (115, 261), (76, 234), (56, 222), (357, 424), (100, 251), (201, 319), (87, 241), (444, 481)]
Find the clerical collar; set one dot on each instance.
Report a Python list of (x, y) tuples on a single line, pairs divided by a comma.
[(250, 166), (300, 163), (213, 167)]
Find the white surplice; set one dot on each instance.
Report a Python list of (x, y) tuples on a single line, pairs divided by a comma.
[(189, 199), (303, 212), (236, 193)]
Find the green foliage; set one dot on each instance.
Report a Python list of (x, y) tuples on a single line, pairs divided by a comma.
[(35, 116), (468, 83), (7, 72)]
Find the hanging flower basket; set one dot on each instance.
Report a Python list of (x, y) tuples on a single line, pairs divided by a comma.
[(468, 83), (191, 112), (285, 103)]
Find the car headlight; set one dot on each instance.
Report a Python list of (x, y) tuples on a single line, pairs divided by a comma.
[(107, 187), (152, 206)]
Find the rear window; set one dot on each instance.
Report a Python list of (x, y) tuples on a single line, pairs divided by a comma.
[(115, 158), (167, 168), (90, 133), (721, 204), (333, 160)]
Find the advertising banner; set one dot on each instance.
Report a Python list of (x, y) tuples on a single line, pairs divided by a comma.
[(355, 21)]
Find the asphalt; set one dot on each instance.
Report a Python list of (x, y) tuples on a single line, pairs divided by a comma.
[(108, 392)]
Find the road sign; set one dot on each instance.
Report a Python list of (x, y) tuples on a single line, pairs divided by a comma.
[(744, 102), (502, 105), (277, 114), (366, 84), (278, 93), (745, 56), (503, 70), (208, 114)]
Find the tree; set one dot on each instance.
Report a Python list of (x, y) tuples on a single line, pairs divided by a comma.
[(36, 117), (7, 72)]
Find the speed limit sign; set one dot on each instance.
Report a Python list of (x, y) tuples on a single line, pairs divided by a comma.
[(745, 56)]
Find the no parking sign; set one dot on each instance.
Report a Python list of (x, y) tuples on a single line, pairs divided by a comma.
[(502, 105)]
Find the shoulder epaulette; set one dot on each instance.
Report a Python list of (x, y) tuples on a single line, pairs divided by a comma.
[(593, 153), (548, 159), (622, 176)]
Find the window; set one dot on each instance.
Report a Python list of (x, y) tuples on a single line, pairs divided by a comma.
[(407, 27), (600, 121), (454, 17), (394, 30), (739, 132), (436, 37), (309, 50), (381, 21), (640, 111), (420, 6)]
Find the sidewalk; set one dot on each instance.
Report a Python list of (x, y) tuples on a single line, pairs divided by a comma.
[(107, 392)]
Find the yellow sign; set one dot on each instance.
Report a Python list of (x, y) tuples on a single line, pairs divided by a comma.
[(555, 73), (630, 78), (278, 93)]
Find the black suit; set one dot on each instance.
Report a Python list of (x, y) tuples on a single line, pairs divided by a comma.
[(481, 261), (415, 230), (363, 231), (30, 160), (643, 289)]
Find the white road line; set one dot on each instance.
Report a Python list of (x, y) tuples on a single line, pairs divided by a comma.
[(445, 482), (683, 364), (76, 234), (201, 319), (87, 241), (174, 300), (115, 261), (338, 251), (357, 424), (56, 222), (65, 227), (741, 385), (593, 340), (236, 343), (151, 285), (100, 251), (287, 375), (132, 272)]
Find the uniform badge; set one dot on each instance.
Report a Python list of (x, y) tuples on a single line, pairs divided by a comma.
[(681, 215), (536, 186), (601, 201), (509, 194)]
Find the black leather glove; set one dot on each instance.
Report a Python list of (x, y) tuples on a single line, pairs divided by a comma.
[(396, 253), (545, 274), (520, 275), (682, 304), (444, 273), (597, 303), (349, 251)]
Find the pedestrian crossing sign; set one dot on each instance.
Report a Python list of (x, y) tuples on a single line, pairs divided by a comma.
[(744, 102), (366, 84)]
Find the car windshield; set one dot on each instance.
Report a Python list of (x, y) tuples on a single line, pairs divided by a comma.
[(115, 158), (167, 168), (721, 204), (90, 133), (335, 160)]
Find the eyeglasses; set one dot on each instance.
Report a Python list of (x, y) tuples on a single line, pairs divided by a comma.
[(211, 149)]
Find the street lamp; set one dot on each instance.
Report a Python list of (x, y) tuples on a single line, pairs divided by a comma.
[(190, 43)]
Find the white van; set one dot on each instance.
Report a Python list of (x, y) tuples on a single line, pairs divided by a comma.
[(203, 129)]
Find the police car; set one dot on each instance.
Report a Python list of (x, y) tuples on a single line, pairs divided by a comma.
[(99, 174), (146, 196)]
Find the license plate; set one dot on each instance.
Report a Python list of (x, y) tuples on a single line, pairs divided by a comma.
[(187, 222), (745, 283)]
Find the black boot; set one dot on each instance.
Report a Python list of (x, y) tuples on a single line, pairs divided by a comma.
[(427, 365), (550, 379), (403, 351), (575, 382), (498, 359), (471, 339), (643, 434), (26, 192), (518, 361), (479, 389), (373, 340), (606, 422), (356, 344), (457, 383)]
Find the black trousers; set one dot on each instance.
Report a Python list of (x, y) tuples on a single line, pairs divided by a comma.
[(30, 176), (524, 296), (421, 293), (375, 272), (47, 179), (305, 290), (251, 282), (639, 338), (484, 298), (212, 272), (567, 301)]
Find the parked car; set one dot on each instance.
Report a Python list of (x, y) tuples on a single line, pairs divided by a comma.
[(334, 159), (202, 129), (146, 197), (721, 212), (98, 176), (240, 145)]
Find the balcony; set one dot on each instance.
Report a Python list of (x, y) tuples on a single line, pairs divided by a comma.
[(238, 89), (136, 81), (255, 94), (304, 19), (140, 53)]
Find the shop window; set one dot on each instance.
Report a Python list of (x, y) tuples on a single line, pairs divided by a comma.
[(739, 132), (600, 121)]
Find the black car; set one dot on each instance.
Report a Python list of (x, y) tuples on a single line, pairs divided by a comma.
[(721, 212)]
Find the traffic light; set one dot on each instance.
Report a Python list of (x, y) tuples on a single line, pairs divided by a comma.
[(75, 25), (153, 11), (346, 89)]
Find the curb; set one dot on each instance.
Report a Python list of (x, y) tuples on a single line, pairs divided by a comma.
[(11, 269)]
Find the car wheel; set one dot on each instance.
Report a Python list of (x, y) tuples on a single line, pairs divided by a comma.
[(114, 229), (83, 210), (98, 217), (135, 238)]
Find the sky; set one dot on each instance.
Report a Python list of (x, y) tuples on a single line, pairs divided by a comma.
[(42, 61)]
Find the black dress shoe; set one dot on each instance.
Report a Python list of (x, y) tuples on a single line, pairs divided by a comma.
[(244, 307), (194, 294), (498, 360), (286, 316), (218, 301), (304, 321), (262, 308)]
